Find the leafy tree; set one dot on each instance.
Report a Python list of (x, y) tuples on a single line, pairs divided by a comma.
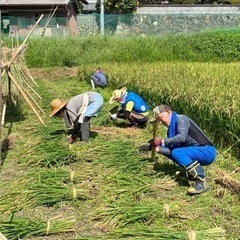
[(117, 6)]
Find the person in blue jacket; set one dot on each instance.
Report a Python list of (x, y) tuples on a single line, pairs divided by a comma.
[(133, 107), (186, 145), (98, 79)]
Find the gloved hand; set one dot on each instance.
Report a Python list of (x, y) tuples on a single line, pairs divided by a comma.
[(113, 116), (145, 147), (156, 142), (71, 139)]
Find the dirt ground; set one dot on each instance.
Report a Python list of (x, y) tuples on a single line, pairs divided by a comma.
[(53, 73)]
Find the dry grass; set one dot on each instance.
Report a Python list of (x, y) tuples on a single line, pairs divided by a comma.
[(227, 181)]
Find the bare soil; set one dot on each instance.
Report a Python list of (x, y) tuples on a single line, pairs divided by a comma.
[(54, 73)]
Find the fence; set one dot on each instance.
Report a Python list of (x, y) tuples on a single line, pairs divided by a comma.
[(164, 22), (158, 24)]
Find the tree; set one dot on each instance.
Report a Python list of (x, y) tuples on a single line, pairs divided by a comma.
[(117, 6)]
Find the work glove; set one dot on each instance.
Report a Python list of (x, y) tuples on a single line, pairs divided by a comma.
[(71, 139), (156, 142), (145, 147), (113, 116)]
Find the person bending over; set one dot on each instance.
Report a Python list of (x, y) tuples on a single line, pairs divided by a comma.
[(77, 112), (133, 107)]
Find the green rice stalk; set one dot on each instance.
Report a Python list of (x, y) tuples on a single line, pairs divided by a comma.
[(127, 183), (18, 228), (13, 200), (162, 234), (55, 174), (217, 233), (49, 151), (43, 190), (122, 216), (51, 193)]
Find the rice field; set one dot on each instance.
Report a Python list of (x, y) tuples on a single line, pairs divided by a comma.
[(106, 189), (208, 92)]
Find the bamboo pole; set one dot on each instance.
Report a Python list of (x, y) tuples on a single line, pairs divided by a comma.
[(4, 112), (0, 92), (32, 89), (25, 40), (45, 27), (40, 109), (3, 67), (31, 77), (2, 237), (154, 131), (20, 50), (25, 97)]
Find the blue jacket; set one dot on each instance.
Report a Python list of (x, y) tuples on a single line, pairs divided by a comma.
[(140, 106), (101, 77)]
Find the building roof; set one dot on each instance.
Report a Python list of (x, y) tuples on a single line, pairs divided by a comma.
[(91, 6), (33, 2)]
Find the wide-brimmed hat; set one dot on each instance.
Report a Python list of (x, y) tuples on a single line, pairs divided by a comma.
[(159, 109), (117, 94), (56, 105)]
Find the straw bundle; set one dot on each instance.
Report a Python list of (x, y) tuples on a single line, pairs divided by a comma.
[(18, 228), (17, 80), (45, 188), (13, 200), (19, 70), (122, 216), (229, 182), (52, 193)]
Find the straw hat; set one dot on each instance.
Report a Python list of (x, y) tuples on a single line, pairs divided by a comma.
[(117, 94), (159, 109), (56, 105)]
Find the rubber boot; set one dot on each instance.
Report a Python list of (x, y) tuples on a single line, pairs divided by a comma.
[(195, 172), (85, 131), (92, 84)]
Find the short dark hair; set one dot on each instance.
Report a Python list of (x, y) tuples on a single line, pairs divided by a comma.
[(163, 108)]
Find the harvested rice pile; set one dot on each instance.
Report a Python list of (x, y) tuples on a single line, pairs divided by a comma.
[(228, 182), (17, 81)]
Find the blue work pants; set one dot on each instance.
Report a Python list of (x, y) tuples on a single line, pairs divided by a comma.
[(185, 156)]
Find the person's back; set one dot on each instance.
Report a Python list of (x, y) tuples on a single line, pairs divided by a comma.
[(98, 79), (139, 105)]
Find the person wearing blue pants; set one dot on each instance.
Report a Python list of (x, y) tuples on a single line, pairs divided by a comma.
[(186, 145)]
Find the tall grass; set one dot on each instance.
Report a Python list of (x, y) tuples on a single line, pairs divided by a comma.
[(204, 47)]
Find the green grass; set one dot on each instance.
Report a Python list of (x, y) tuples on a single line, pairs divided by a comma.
[(128, 197), (202, 69), (217, 46), (106, 189)]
